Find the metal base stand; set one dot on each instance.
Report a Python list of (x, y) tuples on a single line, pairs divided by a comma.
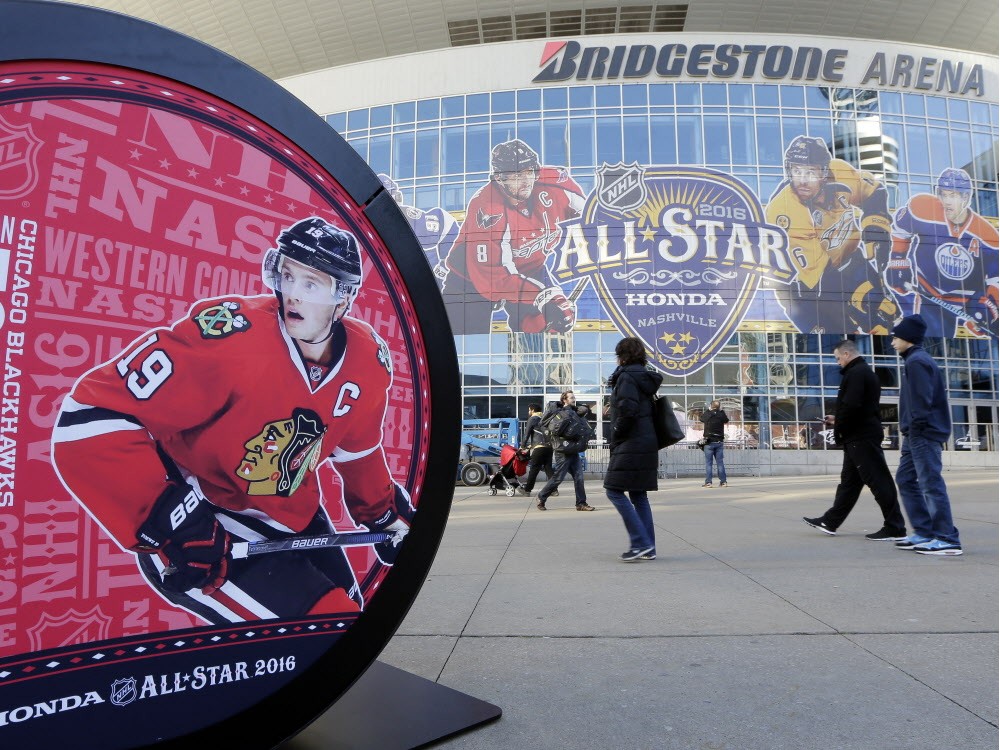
[(390, 709)]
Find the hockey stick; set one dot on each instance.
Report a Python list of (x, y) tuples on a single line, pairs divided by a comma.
[(955, 310), (243, 550)]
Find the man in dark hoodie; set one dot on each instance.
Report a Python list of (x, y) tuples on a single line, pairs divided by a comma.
[(634, 456), (857, 428), (925, 422)]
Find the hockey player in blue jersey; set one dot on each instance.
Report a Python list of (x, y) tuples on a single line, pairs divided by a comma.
[(944, 260), (436, 229)]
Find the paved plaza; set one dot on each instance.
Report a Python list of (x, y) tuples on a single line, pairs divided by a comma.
[(751, 631)]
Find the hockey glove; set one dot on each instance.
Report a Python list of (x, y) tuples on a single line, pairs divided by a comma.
[(899, 274), (182, 528), (557, 309), (395, 522), (878, 241)]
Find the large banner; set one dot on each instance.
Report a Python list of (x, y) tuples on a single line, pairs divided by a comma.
[(683, 256)]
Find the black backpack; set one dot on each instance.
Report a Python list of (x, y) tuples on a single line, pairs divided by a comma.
[(568, 432)]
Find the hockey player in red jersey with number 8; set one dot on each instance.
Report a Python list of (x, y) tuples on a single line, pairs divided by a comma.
[(511, 226), (208, 433)]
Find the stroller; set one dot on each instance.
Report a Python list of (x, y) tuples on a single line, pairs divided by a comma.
[(513, 464)]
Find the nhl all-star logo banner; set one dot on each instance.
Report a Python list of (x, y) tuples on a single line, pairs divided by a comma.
[(676, 255)]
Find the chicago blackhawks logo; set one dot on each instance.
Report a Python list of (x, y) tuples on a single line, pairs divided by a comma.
[(282, 454), (676, 255), (219, 321)]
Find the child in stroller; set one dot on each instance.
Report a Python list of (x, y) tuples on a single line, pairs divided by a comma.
[(513, 464)]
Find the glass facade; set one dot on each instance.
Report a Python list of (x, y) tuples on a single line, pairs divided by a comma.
[(773, 370)]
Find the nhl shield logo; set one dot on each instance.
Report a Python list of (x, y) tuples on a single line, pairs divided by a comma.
[(680, 269), (621, 186), (19, 149), (123, 691)]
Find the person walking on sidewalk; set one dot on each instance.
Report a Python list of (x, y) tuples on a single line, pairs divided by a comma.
[(715, 420), (925, 422), (537, 447), (570, 433), (634, 457), (857, 428)]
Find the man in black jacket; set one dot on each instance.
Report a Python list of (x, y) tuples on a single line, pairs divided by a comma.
[(538, 448), (857, 427), (566, 454), (715, 420)]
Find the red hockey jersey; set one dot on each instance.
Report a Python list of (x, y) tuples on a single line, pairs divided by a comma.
[(503, 245), (226, 396)]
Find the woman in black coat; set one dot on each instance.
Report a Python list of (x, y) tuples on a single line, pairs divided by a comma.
[(633, 464)]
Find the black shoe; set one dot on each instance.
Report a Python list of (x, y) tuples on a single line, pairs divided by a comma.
[(540, 505), (648, 556), (584, 506), (819, 523), (635, 555), (885, 534)]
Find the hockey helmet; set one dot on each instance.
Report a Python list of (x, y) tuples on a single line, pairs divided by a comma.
[(807, 151), (315, 243), (513, 156), (390, 185), (956, 180)]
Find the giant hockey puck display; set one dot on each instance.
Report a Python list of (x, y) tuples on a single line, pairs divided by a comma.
[(226, 451)]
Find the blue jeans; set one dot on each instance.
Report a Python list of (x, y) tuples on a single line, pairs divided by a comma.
[(562, 465), (637, 515), (922, 489), (716, 450)]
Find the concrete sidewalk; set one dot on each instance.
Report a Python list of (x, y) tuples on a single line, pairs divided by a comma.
[(750, 631)]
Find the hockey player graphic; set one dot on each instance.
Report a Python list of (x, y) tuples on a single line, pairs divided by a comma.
[(209, 432), (837, 222), (944, 260), (511, 226), (436, 229)]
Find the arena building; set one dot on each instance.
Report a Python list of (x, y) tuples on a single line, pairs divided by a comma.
[(740, 187)]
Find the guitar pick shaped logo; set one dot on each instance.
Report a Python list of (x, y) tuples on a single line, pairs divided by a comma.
[(680, 268), (19, 149)]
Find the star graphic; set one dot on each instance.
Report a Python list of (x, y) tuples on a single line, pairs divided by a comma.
[(668, 337), (268, 200), (136, 153), (687, 338), (219, 182), (164, 164), (10, 560), (677, 349), (648, 234), (193, 172), (244, 190), (291, 207)]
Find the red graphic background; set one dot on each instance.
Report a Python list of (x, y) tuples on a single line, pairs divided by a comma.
[(123, 199)]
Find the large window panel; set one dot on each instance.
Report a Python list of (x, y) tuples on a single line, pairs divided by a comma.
[(380, 153), (717, 141), (555, 141), (453, 150), (940, 151), (636, 146), (961, 148), (691, 148), (743, 140), (609, 140), (581, 142), (917, 151), (770, 146), (663, 140), (477, 148), (427, 152)]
